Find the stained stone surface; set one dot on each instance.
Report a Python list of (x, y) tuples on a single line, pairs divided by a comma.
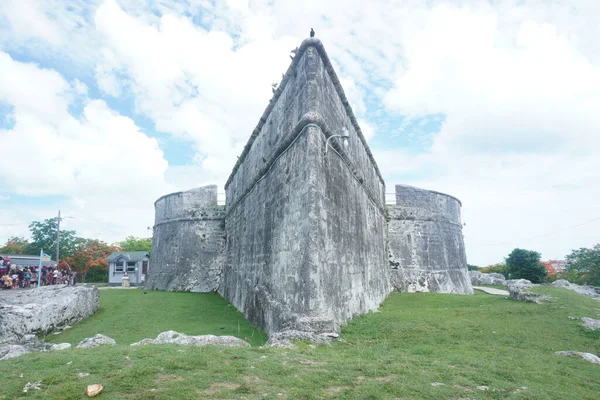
[(45, 309), (188, 242), (426, 245), (305, 231)]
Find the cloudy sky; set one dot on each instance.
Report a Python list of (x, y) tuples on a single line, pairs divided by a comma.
[(105, 105)]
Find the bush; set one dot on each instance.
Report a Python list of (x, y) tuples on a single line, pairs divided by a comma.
[(97, 274), (525, 264), (472, 267), (499, 268)]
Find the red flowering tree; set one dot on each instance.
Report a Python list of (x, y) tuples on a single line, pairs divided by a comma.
[(553, 267), (89, 260), (15, 245)]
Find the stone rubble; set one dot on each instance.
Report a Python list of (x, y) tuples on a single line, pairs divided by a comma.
[(172, 337), (594, 359), (96, 341), (27, 344)]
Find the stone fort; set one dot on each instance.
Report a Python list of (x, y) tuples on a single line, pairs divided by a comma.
[(306, 240)]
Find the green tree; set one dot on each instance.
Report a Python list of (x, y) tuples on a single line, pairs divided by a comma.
[(525, 264), (583, 265), (132, 243), (472, 267), (43, 236), (16, 245)]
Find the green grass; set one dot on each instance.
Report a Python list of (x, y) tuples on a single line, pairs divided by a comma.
[(129, 316), (416, 339)]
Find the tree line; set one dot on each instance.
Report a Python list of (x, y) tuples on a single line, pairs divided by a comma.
[(86, 256), (582, 266)]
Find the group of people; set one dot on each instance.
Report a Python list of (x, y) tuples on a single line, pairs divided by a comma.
[(14, 276)]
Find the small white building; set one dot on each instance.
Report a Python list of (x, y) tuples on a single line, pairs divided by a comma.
[(134, 262)]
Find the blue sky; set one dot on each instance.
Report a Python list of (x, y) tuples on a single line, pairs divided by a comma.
[(110, 104)]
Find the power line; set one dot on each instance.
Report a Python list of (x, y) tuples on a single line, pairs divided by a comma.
[(20, 223), (545, 234)]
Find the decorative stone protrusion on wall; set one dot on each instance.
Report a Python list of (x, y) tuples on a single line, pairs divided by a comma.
[(426, 245), (188, 242)]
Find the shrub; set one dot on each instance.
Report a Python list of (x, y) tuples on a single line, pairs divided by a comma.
[(499, 268)]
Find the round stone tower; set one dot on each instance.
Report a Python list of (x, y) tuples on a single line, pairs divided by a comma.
[(426, 245), (188, 241)]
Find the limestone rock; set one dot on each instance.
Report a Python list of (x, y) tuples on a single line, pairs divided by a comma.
[(520, 292), (594, 359), (96, 341), (480, 278), (12, 350), (45, 309), (581, 289), (61, 346), (172, 337), (590, 323), (284, 338), (524, 283)]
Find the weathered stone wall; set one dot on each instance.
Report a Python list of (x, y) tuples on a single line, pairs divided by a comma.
[(426, 245), (188, 242), (305, 234)]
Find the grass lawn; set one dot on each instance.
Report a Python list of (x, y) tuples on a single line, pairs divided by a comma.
[(417, 339), (129, 316)]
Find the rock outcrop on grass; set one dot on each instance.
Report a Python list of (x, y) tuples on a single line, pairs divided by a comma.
[(480, 278), (590, 291), (27, 344), (591, 323), (284, 339), (520, 291), (96, 341), (594, 359), (45, 309), (172, 337)]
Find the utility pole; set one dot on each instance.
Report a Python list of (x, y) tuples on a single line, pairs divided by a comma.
[(57, 238)]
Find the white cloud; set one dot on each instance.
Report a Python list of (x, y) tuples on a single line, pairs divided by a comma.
[(101, 162), (517, 144)]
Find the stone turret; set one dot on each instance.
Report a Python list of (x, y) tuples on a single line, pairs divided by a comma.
[(188, 242), (426, 246)]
